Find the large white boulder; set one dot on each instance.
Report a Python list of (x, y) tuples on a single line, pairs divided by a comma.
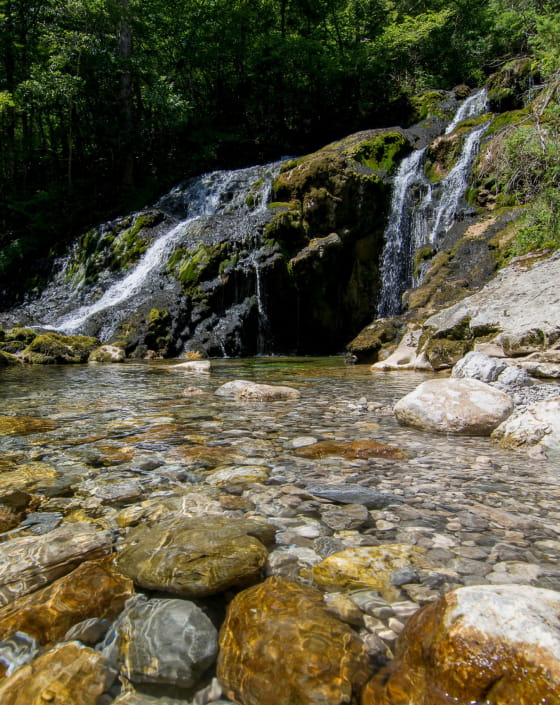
[(454, 406)]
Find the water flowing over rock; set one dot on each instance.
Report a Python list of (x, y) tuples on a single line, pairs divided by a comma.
[(492, 644), (421, 212), (162, 641), (195, 557), (94, 589), (279, 645), (454, 406), (71, 674), (29, 563)]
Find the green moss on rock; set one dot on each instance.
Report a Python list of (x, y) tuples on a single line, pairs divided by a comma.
[(54, 348), (429, 104)]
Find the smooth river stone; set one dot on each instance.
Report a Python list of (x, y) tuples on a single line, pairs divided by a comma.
[(353, 494), (454, 406), (168, 642), (70, 674), (238, 475), (196, 557), (482, 644), (242, 389), (368, 567), (93, 589), (29, 563), (279, 646), (350, 451)]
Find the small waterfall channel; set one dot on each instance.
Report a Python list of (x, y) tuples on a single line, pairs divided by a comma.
[(239, 197), (422, 213)]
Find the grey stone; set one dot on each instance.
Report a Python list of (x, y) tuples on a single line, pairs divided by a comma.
[(476, 365), (17, 650), (162, 641), (353, 494)]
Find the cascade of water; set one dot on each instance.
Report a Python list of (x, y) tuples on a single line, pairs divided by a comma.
[(422, 213), (473, 106), (244, 192), (395, 259)]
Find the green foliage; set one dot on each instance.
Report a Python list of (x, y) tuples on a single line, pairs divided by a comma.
[(383, 152)]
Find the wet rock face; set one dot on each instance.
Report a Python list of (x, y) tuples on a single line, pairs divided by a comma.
[(454, 406), (278, 645), (195, 557), (493, 644), (29, 563), (93, 589), (70, 674), (163, 641)]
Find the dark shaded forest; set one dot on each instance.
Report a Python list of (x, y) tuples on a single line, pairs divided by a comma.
[(106, 103)]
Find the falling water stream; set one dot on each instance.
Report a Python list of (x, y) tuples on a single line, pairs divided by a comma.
[(422, 213)]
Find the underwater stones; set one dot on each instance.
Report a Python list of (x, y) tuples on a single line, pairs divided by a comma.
[(29, 477), (279, 645), (24, 425), (31, 562), (15, 651), (93, 589), (368, 567), (107, 353), (69, 674), (454, 406), (352, 494), (13, 504), (163, 641), (54, 348), (538, 425), (492, 644), (362, 449), (238, 475), (196, 557)]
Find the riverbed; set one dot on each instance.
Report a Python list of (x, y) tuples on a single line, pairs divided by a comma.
[(492, 514)]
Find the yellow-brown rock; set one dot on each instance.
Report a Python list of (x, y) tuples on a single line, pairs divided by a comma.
[(24, 425), (367, 567), (279, 646), (355, 449), (497, 645), (94, 589), (68, 675), (196, 557)]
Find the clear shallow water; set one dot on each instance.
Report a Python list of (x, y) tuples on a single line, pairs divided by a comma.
[(95, 405)]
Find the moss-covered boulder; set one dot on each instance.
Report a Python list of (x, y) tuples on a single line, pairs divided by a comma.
[(54, 348), (380, 334), (8, 359)]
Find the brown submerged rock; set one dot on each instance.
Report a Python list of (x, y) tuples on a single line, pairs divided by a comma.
[(31, 562), (279, 646), (196, 557), (356, 449), (68, 675), (24, 425), (94, 589), (498, 645)]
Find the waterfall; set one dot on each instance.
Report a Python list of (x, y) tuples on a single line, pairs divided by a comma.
[(239, 195), (422, 213)]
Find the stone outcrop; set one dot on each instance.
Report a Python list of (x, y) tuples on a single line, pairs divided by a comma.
[(93, 589), (454, 406), (279, 645), (537, 426), (70, 674), (519, 311), (29, 563), (492, 644), (107, 353), (170, 642), (195, 557)]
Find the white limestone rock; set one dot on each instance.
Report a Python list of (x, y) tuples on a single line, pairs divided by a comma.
[(454, 406)]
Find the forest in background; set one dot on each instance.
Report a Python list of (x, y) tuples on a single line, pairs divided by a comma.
[(106, 103)]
